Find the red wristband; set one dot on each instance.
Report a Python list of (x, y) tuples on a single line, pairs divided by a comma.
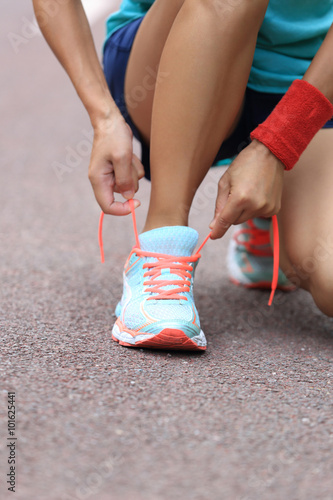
[(294, 121)]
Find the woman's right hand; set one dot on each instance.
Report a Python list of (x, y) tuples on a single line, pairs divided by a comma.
[(113, 166)]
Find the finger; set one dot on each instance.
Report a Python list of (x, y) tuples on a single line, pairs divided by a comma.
[(122, 164), (223, 220), (244, 217), (138, 166), (113, 207), (137, 173), (135, 177), (120, 208), (104, 194)]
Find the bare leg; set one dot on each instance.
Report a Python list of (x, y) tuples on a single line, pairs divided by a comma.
[(207, 58), (144, 61), (306, 221)]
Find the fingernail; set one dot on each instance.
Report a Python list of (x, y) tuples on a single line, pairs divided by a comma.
[(211, 225), (136, 203), (128, 195)]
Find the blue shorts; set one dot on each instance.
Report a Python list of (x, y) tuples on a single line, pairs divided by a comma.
[(257, 105)]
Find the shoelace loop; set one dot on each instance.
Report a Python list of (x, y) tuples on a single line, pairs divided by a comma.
[(257, 238), (180, 265)]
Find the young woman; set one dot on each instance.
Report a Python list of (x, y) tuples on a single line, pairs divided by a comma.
[(193, 79)]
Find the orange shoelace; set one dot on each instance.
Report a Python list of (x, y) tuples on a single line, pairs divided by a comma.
[(177, 265), (257, 238), (181, 265)]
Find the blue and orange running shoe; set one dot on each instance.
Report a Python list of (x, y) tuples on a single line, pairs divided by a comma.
[(250, 257), (157, 308)]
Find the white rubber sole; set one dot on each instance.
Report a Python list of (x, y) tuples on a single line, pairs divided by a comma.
[(168, 338)]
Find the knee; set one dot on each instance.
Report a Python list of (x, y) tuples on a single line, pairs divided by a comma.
[(316, 279), (203, 8), (312, 270), (321, 288), (221, 8)]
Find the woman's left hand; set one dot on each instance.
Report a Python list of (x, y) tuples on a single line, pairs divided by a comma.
[(251, 187)]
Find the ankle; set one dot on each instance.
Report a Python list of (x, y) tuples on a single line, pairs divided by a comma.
[(154, 221)]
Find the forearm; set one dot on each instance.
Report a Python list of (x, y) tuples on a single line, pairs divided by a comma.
[(320, 72), (68, 34)]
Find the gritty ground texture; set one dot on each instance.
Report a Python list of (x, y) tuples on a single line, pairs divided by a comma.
[(249, 419)]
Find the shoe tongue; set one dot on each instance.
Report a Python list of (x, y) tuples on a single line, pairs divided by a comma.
[(171, 240)]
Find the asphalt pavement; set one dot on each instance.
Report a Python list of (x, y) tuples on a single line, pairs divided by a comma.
[(249, 419)]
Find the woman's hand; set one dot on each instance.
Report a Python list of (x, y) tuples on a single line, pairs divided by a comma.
[(251, 187), (113, 166)]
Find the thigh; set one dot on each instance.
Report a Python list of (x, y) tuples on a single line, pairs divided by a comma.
[(142, 68), (306, 217), (141, 73)]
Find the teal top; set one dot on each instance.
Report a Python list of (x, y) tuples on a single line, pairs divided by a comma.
[(289, 37), (129, 11)]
